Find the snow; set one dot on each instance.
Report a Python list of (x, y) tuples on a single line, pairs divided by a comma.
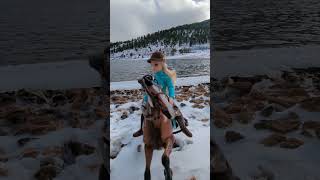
[(186, 81), (24, 168), (191, 160), (293, 164), (54, 75), (196, 51), (247, 155)]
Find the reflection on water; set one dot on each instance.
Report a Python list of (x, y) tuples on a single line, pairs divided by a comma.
[(246, 24), (126, 70)]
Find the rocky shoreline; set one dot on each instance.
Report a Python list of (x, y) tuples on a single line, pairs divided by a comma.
[(49, 128), (271, 112)]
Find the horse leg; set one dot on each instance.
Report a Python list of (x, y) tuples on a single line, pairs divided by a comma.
[(148, 151), (168, 139), (166, 160)]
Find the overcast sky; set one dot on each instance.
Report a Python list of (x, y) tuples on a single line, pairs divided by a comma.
[(133, 18)]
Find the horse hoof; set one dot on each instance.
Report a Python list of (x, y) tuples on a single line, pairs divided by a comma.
[(168, 174), (167, 169), (147, 174)]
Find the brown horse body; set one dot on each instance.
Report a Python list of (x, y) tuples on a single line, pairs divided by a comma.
[(157, 127), (157, 134)]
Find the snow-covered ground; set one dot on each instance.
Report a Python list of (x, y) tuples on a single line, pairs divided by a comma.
[(196, 51), (56, 139), (191, 159), (248, 157)]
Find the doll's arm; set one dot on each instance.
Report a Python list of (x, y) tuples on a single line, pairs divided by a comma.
[(170, 88)]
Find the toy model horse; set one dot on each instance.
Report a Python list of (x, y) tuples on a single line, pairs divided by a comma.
[(157, 127)]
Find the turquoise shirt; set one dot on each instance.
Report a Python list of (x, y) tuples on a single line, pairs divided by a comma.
[(162, 79)]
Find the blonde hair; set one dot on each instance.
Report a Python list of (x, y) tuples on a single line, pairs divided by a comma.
[(171, 73)]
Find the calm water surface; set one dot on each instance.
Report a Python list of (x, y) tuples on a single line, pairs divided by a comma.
[(126, 70)]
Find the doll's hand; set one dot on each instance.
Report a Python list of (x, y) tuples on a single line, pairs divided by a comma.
[(171, 101)]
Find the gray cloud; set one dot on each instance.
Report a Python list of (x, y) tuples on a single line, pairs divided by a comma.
[(133, 18)]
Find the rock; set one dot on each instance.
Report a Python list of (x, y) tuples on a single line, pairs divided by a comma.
[(306, 133), (54, 161), (285, 126), (291, 143), (280, 125), (245, 116), (198, 106), (54, 151), (49, 168), (3, 171), (273, 139), (75, 121), (266, 112), (311, 125), (133, 108), (119, 99), (197, 101), (220, 118), (204, 120), (257, 95), (263, 124), (182, 97), (243, 87), (46, 173), (317, 131), (100, 112), (46, 111), (59, 100), (297, 92), (311, 104), (279, 108), (232, 136), (293, 115), (21, 142), (139, 147), (182, 104), (26, 96), (233, 108), (30, 152), (39, 126), (16, 114), (78, 148), (219, 166), (283, 101), (124, 115), (6, 99)]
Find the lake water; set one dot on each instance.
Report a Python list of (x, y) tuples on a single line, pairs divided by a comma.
[(248, 24), (127, 70), (40, 31)]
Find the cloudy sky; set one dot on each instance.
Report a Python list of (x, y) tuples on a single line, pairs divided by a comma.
[(133, 18)]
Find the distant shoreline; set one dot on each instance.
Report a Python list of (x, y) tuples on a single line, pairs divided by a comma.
[(204, 54)]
